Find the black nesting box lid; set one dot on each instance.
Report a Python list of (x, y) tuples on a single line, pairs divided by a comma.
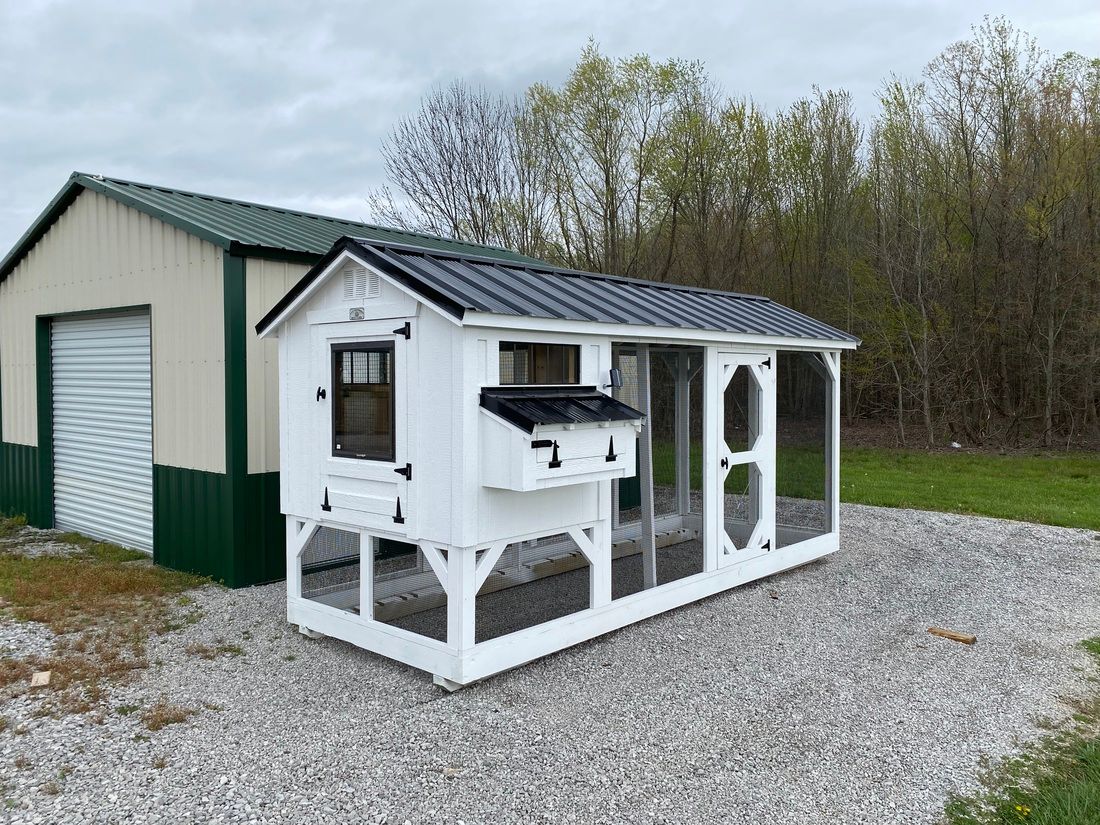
[(525, 407)]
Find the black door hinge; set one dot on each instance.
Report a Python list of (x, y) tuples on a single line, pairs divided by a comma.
[(767, 362), (321, 393), (555, 462), (540, 443), (767, 545), (325, 505), (405, 329), (406, 471), (397, 517)]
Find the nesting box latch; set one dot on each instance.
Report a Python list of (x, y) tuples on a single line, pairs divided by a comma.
[(397, 517), (405, 330), (406, 471), (767, 362), (555, 462), (611, 455), (324, 504)]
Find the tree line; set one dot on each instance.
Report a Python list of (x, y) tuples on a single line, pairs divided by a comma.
[(957, 233)]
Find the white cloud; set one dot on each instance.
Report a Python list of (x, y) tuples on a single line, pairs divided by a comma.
[(286, 102)]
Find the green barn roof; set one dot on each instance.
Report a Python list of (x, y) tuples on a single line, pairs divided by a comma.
[(240, 227)]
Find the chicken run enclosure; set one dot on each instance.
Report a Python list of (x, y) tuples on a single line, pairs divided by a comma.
[(486, 462)]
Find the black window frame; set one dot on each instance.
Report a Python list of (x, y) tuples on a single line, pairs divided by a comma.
[(576, 349), (365, 346)]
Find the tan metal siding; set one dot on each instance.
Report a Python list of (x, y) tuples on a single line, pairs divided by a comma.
[(101, 254), (265, 283)]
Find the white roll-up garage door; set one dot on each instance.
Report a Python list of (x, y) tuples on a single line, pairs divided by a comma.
[(103, 428)]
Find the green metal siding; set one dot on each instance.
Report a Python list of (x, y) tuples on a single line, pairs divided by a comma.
[(200, 527), (20, 490), (261, 545), (44, 389), (193, 522), (630, 493)]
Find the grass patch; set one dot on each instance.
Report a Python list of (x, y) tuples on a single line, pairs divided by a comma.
[(1062, 489), (11, 526), (1055, 781), (100, 603), (1059, 489), (69, 593), (163, 714), (221, 648), (101, 550)]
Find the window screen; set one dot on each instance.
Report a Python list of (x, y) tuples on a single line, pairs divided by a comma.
[(523, 363), (362, 408)]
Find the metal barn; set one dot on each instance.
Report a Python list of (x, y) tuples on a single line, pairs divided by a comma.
[(136, 402), (554, 454)]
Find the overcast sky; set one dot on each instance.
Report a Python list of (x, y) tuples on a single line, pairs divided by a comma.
[(286, 102)]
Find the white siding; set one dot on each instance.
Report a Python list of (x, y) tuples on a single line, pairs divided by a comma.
[(265, 283), (101, 254)]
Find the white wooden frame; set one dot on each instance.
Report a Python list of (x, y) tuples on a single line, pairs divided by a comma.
[(461, 572)]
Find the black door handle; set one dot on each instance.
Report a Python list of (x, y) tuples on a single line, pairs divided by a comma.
[(321, 393)]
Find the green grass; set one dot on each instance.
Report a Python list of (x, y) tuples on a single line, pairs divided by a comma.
[(1055, 781), (1062, 489)]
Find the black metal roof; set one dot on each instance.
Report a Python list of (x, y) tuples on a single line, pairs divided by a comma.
[(527, 407), (461, 283)]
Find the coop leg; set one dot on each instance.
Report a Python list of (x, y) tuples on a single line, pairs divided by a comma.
[(447, 684), (312, 634)]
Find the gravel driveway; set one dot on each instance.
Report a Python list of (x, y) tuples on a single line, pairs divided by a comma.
[(828, 703)]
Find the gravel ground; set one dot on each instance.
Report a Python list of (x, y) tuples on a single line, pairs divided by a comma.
[(812, 696)]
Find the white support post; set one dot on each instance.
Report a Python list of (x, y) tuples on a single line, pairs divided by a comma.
[(595, 543), (713, 511), (767, 475), (683, 433), (832, 439), (366, 576), (298, 534), (645, 471), (437, 562), (756, 427), (487, 562), (461, 597), (614, 485)]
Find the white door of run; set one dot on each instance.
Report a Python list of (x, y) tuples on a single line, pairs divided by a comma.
[(746, 455)]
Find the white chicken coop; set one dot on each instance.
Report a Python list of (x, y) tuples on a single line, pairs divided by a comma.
[(484, 462)]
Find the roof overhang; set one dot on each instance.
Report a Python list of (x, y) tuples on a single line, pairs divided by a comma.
[(651, 334)]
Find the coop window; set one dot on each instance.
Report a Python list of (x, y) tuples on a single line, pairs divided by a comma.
[(525, 363), (363, 401)]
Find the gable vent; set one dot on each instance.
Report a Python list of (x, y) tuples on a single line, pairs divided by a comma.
[(359, 283)]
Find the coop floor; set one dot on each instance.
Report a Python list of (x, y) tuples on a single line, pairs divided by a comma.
[(506, 611)]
